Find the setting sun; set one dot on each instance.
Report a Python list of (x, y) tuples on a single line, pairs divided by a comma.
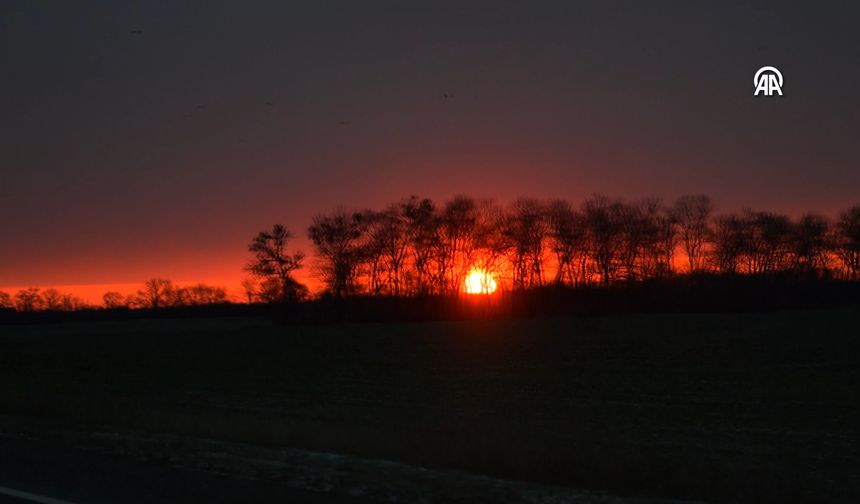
[(479, 282)]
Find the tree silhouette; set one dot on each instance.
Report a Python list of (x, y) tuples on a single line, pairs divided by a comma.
[(491, 249), (604, 227), (525, 227), (810, 243), (250, 287), (665, 241), (6, 301), (566, 229), (767, 241), (338, 239), (692, 213), (847, 241), (113, 300), (195, 295), (730, 242), (274, 264), (416, 248), (423, 232), (155, 293), (641, 249), (387, 249), (28, 300), (52, 300)]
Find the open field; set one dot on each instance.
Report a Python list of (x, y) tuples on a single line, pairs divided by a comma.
[(757, 406)]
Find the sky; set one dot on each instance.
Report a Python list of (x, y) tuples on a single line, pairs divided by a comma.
[(144, 139)]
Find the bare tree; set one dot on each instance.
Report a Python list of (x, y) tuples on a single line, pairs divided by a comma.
[(6, 301), (338, 239), (28, 300), (372, 257), (250, 286), (455, 248), (752, 242), (525, 227), (113, 300), (692, 214), (490, 248), (730, 242), (847, 241), (52, 300), (73, 303), (641, 250), (810, 244), (195, 295), (155, 293), (423, 233), (202, 294), (604, 223), (388, 248), (273, 262), (768, 238), (665, 241), (568, 241)]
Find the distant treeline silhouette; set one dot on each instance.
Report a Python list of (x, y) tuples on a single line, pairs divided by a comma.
[(417, 248), (156, 293)]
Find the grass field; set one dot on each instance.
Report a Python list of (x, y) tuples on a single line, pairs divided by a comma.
[(720, 406)]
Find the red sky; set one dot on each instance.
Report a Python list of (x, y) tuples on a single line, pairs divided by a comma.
[(126, 157)]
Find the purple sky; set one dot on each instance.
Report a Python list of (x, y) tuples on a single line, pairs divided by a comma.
[(125, 156)]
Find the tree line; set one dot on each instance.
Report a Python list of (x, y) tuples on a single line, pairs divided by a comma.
[(155, 293), (417, 247)]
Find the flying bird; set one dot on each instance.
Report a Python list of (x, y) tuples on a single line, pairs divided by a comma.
[(137, 32), (343, 123), (447, 96)]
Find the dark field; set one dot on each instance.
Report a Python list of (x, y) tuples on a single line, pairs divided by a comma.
[(717, 406)]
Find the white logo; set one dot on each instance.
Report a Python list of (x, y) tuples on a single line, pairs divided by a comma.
[(768, 80)]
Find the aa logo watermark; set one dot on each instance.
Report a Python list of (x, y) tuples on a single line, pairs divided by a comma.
[(768, 80)]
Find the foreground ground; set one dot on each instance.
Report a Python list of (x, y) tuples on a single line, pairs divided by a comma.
[(32, 470), (714, 407)]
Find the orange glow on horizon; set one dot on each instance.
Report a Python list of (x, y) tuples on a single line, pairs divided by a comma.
[(479, 282)]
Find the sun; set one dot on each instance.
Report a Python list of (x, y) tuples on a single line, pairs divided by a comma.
[(479, 282)]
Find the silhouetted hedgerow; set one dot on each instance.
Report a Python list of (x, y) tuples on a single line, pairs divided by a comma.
[(418, 248), (703, 292)]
